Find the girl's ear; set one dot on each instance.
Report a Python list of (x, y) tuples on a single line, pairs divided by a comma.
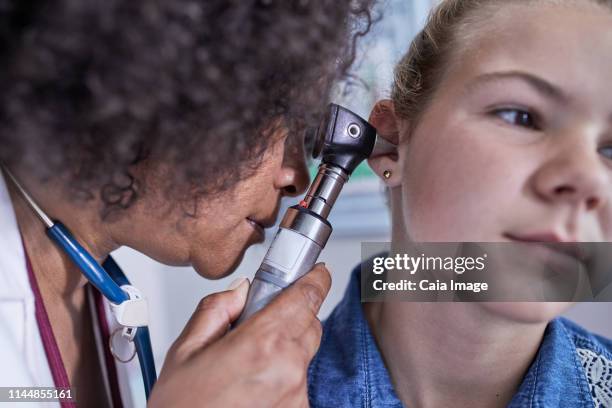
[(386, 166)]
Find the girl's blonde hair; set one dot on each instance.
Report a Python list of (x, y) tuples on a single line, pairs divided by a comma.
[(421, 69)]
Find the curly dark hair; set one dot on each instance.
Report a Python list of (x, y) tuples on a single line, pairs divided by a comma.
[(105, 84)]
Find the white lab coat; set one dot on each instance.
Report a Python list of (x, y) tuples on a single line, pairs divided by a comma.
[(23, 362)]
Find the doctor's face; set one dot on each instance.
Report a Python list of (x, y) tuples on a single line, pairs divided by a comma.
[(516, 144), (225, 225)]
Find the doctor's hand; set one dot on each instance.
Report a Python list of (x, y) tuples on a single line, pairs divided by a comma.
[(262, 363)]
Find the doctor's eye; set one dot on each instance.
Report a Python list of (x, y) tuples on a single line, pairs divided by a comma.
[(517, 117), (309, 140), (606, 151)]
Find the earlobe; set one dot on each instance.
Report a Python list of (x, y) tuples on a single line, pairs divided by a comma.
[(387, 165), (388, 169)]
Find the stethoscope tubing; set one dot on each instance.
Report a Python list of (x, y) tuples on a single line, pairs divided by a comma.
[(92, 270), (108, 280)]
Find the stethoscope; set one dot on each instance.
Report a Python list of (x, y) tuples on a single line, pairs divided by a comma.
[(128, 305)]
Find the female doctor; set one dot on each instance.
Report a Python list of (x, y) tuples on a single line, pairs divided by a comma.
[(172, 128)]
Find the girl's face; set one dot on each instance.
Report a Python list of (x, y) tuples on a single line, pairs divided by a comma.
[(516, 144), (518, 139)]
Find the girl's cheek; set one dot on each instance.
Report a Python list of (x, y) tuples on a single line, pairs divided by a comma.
[(456, 187)]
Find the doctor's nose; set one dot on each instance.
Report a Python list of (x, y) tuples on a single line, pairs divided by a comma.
[(575, 177), (293, 178)]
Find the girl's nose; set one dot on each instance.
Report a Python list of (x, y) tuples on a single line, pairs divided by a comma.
[(575, 176)]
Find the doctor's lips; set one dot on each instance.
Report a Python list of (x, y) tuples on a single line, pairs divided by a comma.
[(261, 225), (554, 242)]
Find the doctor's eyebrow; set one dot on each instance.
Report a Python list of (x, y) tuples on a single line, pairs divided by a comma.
[(540, 85)]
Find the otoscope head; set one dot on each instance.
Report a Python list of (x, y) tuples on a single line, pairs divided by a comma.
[(343, 139)]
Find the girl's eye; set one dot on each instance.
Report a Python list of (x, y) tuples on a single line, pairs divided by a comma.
[(606, 151), (517, 117)]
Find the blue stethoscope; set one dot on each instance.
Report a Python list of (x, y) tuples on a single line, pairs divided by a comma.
[(127, 304)]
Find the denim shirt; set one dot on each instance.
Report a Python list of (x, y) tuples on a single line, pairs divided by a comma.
[(573, 368)]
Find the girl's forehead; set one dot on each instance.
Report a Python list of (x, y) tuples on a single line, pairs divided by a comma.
[(543, 29), (567, 45)]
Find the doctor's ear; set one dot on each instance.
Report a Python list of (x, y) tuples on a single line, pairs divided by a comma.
[(387, 165)]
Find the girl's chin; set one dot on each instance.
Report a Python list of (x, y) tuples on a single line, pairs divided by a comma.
[(527, 312)]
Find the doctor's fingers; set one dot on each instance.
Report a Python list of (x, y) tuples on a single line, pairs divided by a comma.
[(297, 399), (294, 312), (211, 320)]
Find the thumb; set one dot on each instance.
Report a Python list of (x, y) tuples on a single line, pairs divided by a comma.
[(213, 317)]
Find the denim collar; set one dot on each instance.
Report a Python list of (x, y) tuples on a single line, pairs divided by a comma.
[(348, 370)]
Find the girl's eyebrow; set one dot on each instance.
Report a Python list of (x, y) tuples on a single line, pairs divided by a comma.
[(540, 85)]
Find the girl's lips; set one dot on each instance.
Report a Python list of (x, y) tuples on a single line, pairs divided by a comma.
[(536, 237), (554, 243)]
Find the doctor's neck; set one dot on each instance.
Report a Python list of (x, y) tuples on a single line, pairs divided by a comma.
[(54, 271)]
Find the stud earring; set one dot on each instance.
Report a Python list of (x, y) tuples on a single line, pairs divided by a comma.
[(387, 174)]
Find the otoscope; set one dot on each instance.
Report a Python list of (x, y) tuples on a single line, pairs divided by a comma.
[(343, 140)]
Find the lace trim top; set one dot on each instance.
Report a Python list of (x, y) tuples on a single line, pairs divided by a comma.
[(598, 371)]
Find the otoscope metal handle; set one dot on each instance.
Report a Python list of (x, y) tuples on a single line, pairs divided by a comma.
[(343, 140), (295, 249)]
